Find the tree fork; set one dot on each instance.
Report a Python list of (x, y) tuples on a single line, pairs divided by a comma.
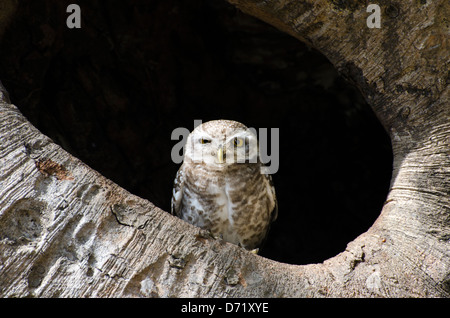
[(67, 231)]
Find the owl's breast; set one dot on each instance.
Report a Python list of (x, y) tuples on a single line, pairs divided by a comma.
[(232, 205), (204, 199)]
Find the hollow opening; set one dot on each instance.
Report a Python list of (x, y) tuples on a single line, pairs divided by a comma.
[(112, 92)]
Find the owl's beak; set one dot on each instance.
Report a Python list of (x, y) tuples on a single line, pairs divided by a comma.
[(220, 155)]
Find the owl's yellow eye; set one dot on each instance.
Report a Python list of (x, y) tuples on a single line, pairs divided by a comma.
[(205, 141), (238, 142)]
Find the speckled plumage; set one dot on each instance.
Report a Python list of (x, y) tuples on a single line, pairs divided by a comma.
[(234, 200)]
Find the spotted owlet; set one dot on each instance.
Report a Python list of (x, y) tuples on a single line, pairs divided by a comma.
[(221, 185)]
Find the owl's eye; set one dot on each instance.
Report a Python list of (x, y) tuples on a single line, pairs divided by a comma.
[(205, 141), (238, 142)]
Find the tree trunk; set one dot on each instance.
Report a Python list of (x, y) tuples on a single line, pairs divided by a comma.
[(66, 231)]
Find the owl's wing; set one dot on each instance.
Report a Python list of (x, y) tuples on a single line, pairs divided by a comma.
[(271, 190), (177, 193), (274, 213)]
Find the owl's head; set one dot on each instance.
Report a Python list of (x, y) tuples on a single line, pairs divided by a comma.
[(220, 143)]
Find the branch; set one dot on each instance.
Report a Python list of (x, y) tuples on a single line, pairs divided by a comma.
[(67, 231)]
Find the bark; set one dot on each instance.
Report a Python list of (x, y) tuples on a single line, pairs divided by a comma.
[(67, 231)]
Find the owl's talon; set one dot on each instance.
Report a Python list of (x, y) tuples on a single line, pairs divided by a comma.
[(216, 237), (255, 251)]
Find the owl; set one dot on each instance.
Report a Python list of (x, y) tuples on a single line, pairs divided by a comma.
[(221, 185)]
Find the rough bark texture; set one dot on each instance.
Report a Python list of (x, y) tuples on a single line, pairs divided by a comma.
[(67, 231)]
